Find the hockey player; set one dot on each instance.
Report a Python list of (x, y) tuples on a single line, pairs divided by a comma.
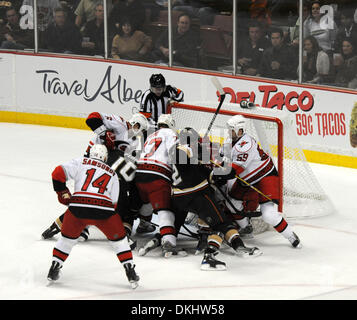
[(154, 101), (194, 193), (96, 190), (119, 136), (116, 134), (253, 165), (154, 179)]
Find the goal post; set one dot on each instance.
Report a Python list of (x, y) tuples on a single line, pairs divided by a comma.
[(301, 195)]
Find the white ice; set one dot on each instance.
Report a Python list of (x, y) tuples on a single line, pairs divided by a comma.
[(325, 268)]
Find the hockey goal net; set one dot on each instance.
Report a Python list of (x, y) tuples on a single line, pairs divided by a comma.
[(301, 195)]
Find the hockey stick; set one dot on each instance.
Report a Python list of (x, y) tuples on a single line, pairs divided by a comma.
[(122, 157), (219, 88), (252, 214), (245, 182)]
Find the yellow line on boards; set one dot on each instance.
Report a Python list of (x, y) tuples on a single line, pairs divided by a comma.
[(43, 119)]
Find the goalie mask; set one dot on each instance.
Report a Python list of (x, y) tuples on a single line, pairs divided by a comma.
[(138, 123), (237, 123), (167, 121), (99, 152)]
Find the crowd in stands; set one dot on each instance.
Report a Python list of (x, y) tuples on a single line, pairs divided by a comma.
[(202, 34)]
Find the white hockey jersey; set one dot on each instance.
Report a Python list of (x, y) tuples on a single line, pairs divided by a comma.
[(96, 187), (155, 155), (125, 138), (249, 160)]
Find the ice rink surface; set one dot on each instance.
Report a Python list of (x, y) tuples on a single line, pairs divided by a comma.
[(324, 269)]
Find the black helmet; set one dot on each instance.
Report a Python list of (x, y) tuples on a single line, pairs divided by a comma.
[(157, 81), (189, 136)]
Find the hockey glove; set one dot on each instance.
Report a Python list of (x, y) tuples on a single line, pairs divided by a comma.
[(217, 180), (64, 196), (250, 201), (108, 138)]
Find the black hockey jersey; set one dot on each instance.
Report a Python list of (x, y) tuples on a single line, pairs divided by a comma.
[(190, 176)]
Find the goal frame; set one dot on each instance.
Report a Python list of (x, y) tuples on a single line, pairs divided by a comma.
[(280, 135)]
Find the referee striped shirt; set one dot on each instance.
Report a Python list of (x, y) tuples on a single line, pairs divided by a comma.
[(153, 106)]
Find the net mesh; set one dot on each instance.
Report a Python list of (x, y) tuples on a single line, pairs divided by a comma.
[(303, 197)]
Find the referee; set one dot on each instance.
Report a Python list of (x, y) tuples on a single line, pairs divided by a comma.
[(154, 100)]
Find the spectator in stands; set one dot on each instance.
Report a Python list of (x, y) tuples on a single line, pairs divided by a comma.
[(11, 34), (346, 65), (131, 44), (45, 14), (85, 11), (4, 5), (185, 44), (295, 30), (62, 36), (70, 6), (322, 27), (316, 62), (347, 29), (93, 33), (197, 9), (250, 50), (122, 9), (277, 60)]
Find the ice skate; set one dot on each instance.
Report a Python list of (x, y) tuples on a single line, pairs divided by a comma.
[(51, 231), (54, 272), (169, 250), (202, 242), (132, 276), (210, 263), (295, 241), (246, 232), (150, 245), (246, 252), (84, 235)]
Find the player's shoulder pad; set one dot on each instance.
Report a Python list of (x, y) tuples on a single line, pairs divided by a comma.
[(166, 132), (244, 144)]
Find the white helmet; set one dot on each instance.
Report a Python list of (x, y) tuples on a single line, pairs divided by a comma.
[(99, 151), (166, 119), (237, 122), (141, 120)]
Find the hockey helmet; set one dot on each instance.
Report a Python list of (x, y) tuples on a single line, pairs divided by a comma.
[(157, 81), (99, 151), (166, 119), (236, 123), (139, 118), (189, 136)]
